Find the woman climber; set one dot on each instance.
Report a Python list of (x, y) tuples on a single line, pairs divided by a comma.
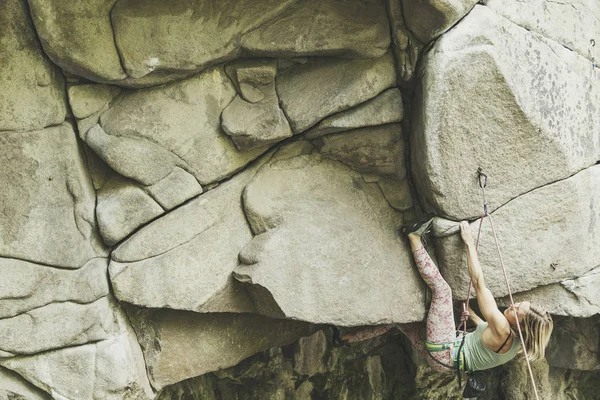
[(494, 342)]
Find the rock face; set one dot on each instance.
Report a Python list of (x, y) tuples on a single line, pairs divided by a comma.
[(186, 186), (300, 209), (32, 88), (48, 200), (478, 110)]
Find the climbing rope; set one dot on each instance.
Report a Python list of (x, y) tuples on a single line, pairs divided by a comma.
[(483, 184)]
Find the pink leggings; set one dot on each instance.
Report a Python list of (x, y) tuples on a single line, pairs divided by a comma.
[(440, 319)]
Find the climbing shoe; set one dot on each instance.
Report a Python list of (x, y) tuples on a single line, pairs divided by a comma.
[(420, 228), (337, 337), (473, 388)]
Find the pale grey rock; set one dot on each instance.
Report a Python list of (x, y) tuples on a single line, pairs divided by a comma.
[(112, 369), (26, 286), (256, 119), (407, 46), (32, 87), (558, 223), (178, 345), (377, 150), (444, 227), (354, 28), (174, 189), (574, 344), (155, 36), (184, 121), (396, 192), (99, 171), (184, 260), (309, 255), (498, 97), (386, 108), (48, 199), (577, 297), (137, 158), (78, 37), (56, 325), (572, 23), (87, 123), (14, 387), (428, 19), (86, 100), (122, 208), (324, 86)]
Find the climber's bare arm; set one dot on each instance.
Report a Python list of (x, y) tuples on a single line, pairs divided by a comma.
[(474, 317), (485, 299)]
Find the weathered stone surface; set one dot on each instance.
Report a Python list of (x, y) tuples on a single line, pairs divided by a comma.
[(14, 387), (181, 119), (309, 256), (351, 28), (122, 208), (386, 108), (428, 19), (526, 127), (577, 297), (26, 286), (178, 345), (574, 344), (32, 88), (377, 150), (153, 35), (174, 189), (560, 221), (184, 260), (48, 200), (124, 154), (407, 46), (397, 192), (78, 37), (323, 86), (55, 325), (85, 100), (112, 369), (254, 118), (572, 23)]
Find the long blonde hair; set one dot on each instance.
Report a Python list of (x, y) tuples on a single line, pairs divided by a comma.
[(536, 328)]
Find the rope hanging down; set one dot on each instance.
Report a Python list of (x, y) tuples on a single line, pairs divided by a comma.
[(483, 181)]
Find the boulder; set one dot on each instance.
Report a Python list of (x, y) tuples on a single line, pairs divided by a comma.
[(324, 86), (87, 99), (386, 108), (397, 192), (26, 286), (178, 345), (326, 248), (122, 208), (184, 259), (14, 387), (78, 37), (355, 29), (48, 199), (155, 36), (571, 23), (577, 297), (111, 369), (174, 189), (181, 119), (55, 325), (32, 87), (254, 119), (377, 150), (526, 127), (428, 19), (407, 47), (559, 225), (574, 344)]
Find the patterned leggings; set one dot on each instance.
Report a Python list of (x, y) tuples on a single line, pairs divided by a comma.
[(440, 319)]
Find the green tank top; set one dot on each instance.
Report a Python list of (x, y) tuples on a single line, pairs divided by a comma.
[(478, 357)]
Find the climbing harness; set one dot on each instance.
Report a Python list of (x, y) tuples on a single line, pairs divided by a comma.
[(483, 181)]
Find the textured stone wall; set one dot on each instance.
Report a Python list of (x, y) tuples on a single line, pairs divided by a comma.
[(192, 191)]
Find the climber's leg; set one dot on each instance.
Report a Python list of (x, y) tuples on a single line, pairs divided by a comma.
[(440, 319)]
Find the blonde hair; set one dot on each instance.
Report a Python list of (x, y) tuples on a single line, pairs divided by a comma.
[(536, 328)]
